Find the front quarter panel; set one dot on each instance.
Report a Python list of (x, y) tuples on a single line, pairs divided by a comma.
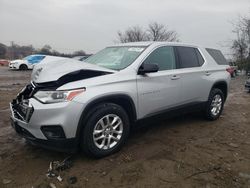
[(120, 83)]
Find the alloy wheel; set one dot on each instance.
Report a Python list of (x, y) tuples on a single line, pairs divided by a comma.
[(216, 105), (108, 131)]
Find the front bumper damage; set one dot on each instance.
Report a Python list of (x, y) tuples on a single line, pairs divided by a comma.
[(32, 120)]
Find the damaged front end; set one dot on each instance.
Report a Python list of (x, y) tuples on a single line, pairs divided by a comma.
[(21, 108), (49, 124)]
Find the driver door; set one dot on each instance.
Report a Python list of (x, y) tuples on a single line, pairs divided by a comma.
[(160, 90)]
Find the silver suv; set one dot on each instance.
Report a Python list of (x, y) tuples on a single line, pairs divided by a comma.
[(93, 104)]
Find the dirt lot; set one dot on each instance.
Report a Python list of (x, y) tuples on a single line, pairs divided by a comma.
[(185, 151)]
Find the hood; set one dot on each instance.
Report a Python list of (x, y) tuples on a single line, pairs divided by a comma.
[(66, 70), (17, 61)]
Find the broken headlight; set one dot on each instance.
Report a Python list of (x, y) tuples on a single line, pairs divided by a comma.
[(57, 96)]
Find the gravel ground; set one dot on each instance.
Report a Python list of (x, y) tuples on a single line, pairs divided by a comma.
[(184, 151)]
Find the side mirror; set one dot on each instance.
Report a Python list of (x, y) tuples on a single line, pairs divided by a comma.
[(148, 68)]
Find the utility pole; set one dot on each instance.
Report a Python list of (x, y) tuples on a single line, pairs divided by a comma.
[(12, 50)]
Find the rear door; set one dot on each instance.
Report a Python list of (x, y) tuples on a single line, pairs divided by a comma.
[(193, 75), (160, 90)]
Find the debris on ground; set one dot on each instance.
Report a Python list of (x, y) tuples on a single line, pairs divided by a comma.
[(244, 175), (16, 84), (127, 157), (72, 180), (6, 181), (59, 178), (104, 173), (55, 167), (52, 185), (233, 145)]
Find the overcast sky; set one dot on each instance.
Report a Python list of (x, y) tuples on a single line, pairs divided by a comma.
[(90, 25)]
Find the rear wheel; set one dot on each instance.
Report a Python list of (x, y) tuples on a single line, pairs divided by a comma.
[(214, 104), (106, 130), (23, 67)]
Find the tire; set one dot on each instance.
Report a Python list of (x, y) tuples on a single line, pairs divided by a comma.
[(212, 109), (98, 117), (23, 67)]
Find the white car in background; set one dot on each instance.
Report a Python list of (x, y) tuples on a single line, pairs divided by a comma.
[(30, 61)]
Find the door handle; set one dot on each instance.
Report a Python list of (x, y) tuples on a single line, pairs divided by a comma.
[(207, 73), (175, 77)]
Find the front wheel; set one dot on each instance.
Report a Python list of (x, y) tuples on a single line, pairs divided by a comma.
[(23, 67), (106, 130), (214, 104)]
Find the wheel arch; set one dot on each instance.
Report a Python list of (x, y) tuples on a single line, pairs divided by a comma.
[(23, 64), (223, 86), (123, 100)]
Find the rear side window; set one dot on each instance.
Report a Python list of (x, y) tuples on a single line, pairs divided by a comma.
[(217, 56), (164, 57), (187, 57)]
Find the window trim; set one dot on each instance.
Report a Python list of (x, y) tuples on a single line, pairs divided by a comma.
[(203, 60)]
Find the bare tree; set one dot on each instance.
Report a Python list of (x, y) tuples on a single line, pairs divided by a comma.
[(246, 30), (241, 45), (46, 50), (3, 50), (16, 51), (158, 32), (155, 32), (132, 34)]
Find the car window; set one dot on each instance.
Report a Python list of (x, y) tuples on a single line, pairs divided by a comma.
[(217, 56), (34, 58), (187, 57), (164, 57), (40, 57), (28, 57)]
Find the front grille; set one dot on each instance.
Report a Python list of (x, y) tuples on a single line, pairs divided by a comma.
[(22, 111), (20, 107)]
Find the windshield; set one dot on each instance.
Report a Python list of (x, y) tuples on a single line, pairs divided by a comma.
[(30, 57), (116, 58)]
